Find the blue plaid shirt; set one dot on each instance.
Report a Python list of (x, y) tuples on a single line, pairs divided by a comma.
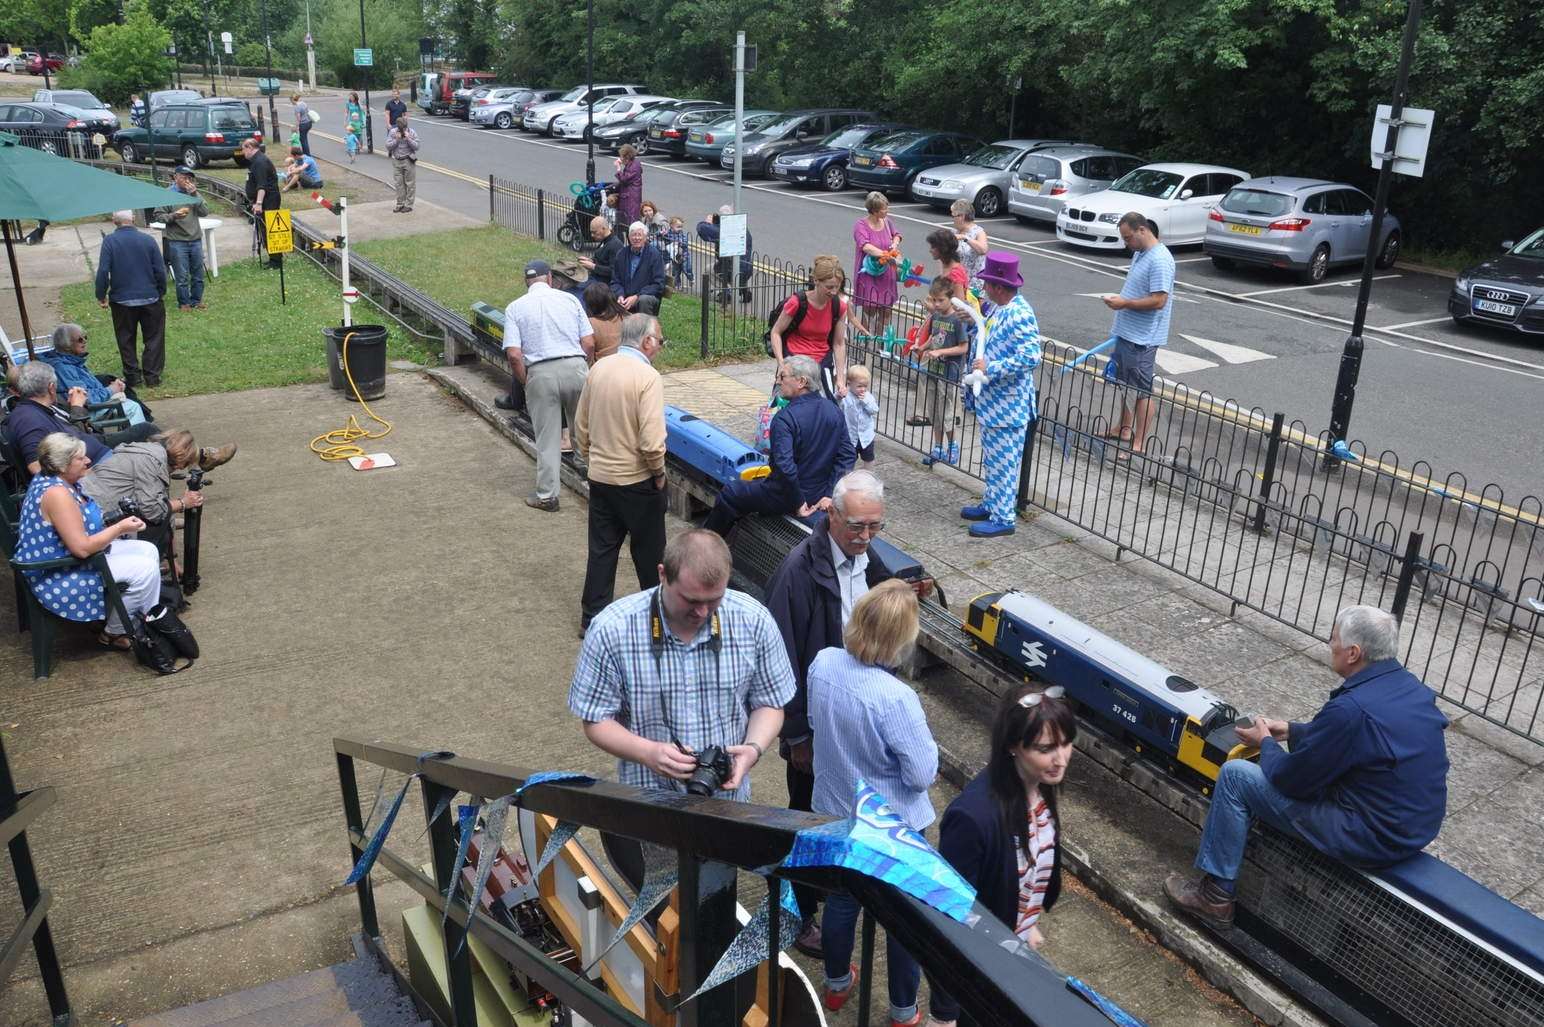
[(1007, 399), (700, 692)]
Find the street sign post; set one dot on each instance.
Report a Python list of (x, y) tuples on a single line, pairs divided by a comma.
[(1410, 136), (731, 235), (280, 234), (363, 58)]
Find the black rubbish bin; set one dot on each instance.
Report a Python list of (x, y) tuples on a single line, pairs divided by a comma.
[(366, 351)]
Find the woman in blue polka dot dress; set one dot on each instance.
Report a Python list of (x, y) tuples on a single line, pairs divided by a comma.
[(59, 521)]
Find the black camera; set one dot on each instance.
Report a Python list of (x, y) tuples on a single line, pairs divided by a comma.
[(127, 507), (195, 480), (714, 766)]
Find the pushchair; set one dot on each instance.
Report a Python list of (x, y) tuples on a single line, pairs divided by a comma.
[(574, 232)]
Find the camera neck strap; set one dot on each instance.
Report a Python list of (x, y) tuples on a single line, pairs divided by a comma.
[(658, 641)]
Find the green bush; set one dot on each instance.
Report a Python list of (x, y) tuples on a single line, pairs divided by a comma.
[(125, 58), (253, 55)]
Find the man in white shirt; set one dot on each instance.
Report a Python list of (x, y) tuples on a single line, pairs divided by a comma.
[(548, 341)]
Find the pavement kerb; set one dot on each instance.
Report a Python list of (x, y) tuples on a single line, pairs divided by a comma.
[(1257, 994)]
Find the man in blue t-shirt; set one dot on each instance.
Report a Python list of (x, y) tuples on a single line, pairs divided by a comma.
[(1141, 325), (301, 170)]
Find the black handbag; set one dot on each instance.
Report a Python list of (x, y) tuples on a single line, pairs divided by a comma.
[(153, 648), (162, 620)]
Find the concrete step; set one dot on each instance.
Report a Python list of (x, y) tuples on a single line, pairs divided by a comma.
[(352, 994)]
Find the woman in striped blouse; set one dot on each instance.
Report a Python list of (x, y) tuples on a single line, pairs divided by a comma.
[(1002, 834), (869, 724)]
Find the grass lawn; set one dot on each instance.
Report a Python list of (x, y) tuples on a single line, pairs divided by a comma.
[(246, 339), (463, 266)]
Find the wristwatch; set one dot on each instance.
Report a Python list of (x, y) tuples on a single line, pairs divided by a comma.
[(760, 752)]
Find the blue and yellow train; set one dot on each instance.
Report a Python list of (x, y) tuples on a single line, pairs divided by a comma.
[(1155, 711)]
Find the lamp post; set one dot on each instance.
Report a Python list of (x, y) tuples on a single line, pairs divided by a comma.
[(589, 74), (273, 111), (1351, 355), (363, 45)]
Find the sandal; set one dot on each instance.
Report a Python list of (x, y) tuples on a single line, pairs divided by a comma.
[(918, 421), (123, 643)]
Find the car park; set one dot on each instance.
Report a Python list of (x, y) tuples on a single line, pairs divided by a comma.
[(35, 63), (1046, 180), (540, 118), (668, 132), (462, 99), (194, 134), (52, 128), (783, 133), (1175, 197), (437, 89), (1505, 291), (612, 109), (504, 108), (707, 142), (1305, 225), (16, 63), (824, 163), (93, 112), (982, 178), (890, 163)]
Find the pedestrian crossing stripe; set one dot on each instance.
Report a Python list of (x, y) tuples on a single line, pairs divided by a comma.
[(1170, 362), (1227, 351)]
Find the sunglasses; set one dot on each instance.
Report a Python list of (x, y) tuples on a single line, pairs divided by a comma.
[(859, 527), (1032, 700)]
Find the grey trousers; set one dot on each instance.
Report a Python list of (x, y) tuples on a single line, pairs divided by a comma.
[(552, 390), (404, 175)]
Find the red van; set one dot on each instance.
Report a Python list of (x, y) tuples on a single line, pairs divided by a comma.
[(437, 88)]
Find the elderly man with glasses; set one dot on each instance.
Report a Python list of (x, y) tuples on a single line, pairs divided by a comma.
[(811, 596), (811, 450), (619, 430)]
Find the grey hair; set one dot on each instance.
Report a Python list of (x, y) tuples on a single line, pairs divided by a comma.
[(35, 379), (727, 208), (57, 450), (804, 367), (1375, 631), (123, 217), (857, 483), (963, 209), (66, 334), (637, 226), (634, 328)]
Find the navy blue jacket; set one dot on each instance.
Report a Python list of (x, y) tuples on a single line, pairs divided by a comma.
[(976, 842), (1374, 764), (130, 267), (647, 280), (31, 422), (810, 449), (806, 603)]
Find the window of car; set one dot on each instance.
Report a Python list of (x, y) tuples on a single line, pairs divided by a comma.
[(1160, 185), (1353, 202), (231, 119), (895, 142), (1038, 169), (941, 146), (1257, 202), (1126, 165), (1217, 183), (850, 136), (1318, 203), (998, 158), (160, 120), (1531, 247), (77, 98), (23, 115)]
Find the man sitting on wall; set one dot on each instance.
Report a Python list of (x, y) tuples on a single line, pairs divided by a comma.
[(1365, 781)]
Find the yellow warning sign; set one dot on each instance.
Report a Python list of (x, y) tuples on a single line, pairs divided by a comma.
[(281, 234)]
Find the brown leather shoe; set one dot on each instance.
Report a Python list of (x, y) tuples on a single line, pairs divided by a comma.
[(210, 457), (1200, 901), (809, 941)]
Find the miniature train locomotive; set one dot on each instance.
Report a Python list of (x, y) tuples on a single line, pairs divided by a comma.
[(1155, 711), (709, 451)]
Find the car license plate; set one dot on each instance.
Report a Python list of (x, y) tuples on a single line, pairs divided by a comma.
[(1028, 186), (655, 133), (1245, 229), (1492, 307), (862, 162)]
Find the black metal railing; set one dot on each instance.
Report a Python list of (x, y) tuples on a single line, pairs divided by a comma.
[(995, 979), (18, 810)]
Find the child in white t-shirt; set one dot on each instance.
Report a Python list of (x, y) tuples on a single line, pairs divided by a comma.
[(860, 407)]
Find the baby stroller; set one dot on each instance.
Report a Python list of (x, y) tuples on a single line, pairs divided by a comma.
[(574, 232)]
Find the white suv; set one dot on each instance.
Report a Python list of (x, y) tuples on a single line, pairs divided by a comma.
[(540, 117), (608, 111)]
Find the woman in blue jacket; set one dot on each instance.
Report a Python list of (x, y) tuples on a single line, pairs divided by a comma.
[(1003, 834)]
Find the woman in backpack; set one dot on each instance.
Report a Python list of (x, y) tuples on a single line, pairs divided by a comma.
[(874, 236), (811, 324)]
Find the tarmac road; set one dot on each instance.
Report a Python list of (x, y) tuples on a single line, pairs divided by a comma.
[(1463, 400)]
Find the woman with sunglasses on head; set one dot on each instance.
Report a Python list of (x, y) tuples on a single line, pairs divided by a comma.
[(1003, 834)]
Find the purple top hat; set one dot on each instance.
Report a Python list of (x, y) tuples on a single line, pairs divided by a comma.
[(1002, 269)]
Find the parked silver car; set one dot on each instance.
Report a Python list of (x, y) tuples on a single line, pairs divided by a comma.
[(575, 124), (540, 117), (504, 107), (1046, 179), (1306, 225), (981, 178)]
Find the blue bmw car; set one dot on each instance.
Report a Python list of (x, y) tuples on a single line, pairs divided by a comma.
[(825, 163)]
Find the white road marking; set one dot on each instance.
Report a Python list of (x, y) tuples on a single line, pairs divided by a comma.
[(1411, 324), (1348, 283), (1191, 260), (1228, 352), (1170, 362)]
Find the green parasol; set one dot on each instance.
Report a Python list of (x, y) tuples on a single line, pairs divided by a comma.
[(39, 186)]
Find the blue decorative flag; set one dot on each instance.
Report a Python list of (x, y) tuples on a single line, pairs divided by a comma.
[(547, 777), (1116, 1014), (373, 849), (487, 853), (878, 843), (750, 947), (661, 871), (466, 821), (559, 837)]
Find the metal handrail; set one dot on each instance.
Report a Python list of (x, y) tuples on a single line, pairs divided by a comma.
[(992, 975), (18, 811)]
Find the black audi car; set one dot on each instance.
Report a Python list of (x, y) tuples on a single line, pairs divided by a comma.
[(1507, 291)]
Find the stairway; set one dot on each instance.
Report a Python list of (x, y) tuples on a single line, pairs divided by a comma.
[(353, 994)]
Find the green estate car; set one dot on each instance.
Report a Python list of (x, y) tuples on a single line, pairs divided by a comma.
[(192, 133)]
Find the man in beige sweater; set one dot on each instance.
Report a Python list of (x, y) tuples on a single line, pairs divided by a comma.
[(619, 429)]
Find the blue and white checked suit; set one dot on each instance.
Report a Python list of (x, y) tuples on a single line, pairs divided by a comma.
[(1005, 410)]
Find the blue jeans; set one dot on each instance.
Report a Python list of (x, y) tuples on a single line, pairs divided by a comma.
[(1241, 795), (188, 266), (305, 134), (838, 927)]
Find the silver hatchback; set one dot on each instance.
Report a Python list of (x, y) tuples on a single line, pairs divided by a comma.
[(1045, 180), (1306, 225)]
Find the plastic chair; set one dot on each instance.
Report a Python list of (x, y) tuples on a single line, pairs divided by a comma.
[(30, 613)]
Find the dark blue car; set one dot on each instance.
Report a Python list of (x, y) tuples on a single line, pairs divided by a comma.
[(825, 163)]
